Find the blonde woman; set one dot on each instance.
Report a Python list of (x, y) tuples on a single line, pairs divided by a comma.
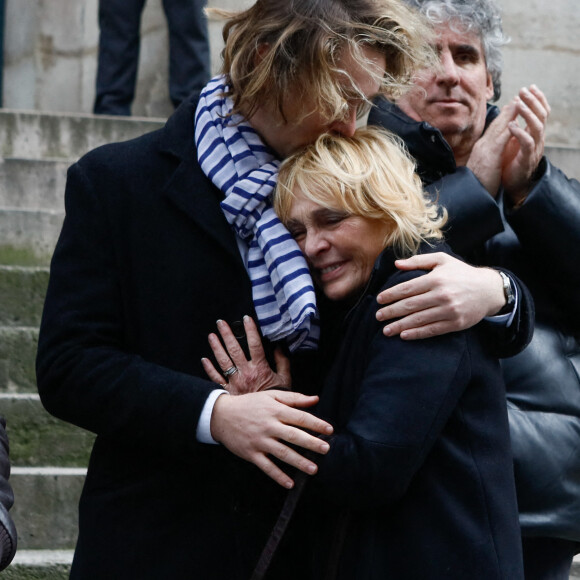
[(418, 482)]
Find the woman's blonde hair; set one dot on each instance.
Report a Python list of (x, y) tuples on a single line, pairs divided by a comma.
[(370, 175), (281, 45)]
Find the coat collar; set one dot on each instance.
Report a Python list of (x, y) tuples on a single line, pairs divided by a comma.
[(188, 188), (425, 143)]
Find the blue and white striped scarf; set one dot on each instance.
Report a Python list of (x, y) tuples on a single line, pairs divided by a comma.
[(236, 160)]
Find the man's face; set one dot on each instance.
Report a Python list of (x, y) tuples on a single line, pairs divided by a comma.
[(453, 99), (299, 130)]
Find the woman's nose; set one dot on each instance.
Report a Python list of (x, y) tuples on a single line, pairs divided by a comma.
[(314, 244)]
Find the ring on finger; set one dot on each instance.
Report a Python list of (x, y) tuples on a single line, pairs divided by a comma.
[(231, 371)]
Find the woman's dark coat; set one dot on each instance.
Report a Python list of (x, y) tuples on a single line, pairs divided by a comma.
[(538, 242), (418, 483)]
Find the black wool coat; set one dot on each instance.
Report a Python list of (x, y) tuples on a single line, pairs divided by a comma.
[(145, 265)]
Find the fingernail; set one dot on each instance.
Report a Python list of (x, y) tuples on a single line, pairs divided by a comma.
[(325, 447), (219, 322), (379, 315), (387, 331), (289, 484), (311, 469)]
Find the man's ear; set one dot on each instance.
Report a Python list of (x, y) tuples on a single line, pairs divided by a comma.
[(261, 52), (489, 88)]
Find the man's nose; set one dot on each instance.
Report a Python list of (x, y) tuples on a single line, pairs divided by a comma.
[(347, 125), (449, 71)]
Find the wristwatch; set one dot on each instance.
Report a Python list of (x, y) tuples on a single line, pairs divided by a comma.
[(508, 291)]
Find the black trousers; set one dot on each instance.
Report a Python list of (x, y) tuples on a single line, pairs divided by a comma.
[(548, 558), (119, 41)]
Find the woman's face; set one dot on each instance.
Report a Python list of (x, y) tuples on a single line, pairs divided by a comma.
[(341, 249)]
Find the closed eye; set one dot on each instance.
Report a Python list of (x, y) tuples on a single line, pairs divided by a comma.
[(297, 231), (331, 217)]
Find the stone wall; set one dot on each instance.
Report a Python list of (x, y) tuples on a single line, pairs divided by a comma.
[(545, 50), (51, 47)]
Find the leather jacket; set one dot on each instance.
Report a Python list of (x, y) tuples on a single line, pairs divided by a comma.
[(539, 242)]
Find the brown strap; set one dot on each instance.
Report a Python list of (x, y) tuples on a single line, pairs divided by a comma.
[(280, 526)]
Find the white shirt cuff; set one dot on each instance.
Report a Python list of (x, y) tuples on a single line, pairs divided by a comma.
[(203, 432)]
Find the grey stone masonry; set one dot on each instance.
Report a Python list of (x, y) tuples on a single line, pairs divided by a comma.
[(35, 151)]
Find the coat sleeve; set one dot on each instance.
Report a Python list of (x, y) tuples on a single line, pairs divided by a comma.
[(474, 218), (473, 215), (404, 399), (86, 373), (7, 528), (505, 341), (547, 226)]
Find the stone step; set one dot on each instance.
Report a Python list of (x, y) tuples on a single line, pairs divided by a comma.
[(33, 183), (39, 565), (38, 439), (36, 135), (17, 359), (45, 508), (22, 289), (30, 232)]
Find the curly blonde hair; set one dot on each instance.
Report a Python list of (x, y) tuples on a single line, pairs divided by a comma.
[(370, 175), (281, 45)]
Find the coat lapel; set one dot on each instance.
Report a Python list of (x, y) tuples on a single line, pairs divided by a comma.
[(188, 188)]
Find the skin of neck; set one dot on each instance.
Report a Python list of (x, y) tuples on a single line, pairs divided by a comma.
[(461, 145)]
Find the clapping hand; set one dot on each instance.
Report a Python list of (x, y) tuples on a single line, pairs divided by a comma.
[(525, 149)]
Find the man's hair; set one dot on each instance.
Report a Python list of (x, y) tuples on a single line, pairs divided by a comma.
[(281, 45), (369, 175), (480, 16)]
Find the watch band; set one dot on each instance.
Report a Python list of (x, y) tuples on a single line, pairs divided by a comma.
[(508, 291)]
